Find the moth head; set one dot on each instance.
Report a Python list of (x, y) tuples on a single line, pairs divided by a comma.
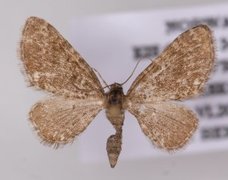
[(116, 87)]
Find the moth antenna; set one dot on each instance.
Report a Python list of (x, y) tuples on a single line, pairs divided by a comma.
[(106, 84), (132, 72)]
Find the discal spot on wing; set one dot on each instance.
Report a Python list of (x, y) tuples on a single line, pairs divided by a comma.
[(58, 120), (53, 65), (168, 125), (181, 71)]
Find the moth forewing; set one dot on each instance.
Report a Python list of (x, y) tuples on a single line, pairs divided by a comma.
[(53, 65), (180, 71)]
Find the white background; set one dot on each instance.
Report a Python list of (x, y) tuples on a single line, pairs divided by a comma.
[(21, 154)]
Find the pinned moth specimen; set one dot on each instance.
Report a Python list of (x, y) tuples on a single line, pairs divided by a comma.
[(178, 73)]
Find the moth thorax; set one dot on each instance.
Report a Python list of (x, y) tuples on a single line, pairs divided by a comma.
[(115, 95), (114, 106)]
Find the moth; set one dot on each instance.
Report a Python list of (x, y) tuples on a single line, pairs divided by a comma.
[(77, 96)]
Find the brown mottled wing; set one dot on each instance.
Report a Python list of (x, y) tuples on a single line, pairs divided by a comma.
[(53, 65), (58, 120), (169, 126), (182, 69), (180, 72)]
